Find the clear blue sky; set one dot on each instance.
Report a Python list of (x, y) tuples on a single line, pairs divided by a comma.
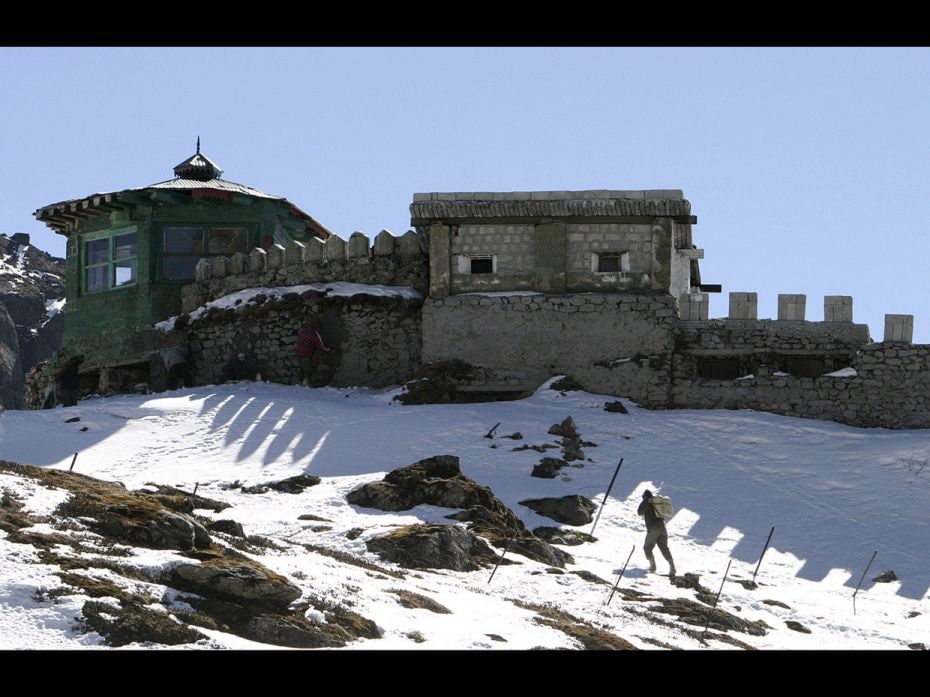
[(808, 169)]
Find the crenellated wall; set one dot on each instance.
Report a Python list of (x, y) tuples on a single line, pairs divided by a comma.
[(390, 260)]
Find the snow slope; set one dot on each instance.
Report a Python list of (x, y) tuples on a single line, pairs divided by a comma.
[(833, 493)]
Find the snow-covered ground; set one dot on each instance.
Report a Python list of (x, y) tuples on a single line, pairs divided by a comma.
[(834, 493)]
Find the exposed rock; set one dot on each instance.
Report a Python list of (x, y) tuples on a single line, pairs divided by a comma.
[(571, 450), (885, 577), (776, 603), (291, 485), (748, 584), (554, 570), (235, 580), (589, 577), (134, 623), (917, 646), (354, 533), (310, 516), (538, 448), (570, 510), (12, 376), (548, 468), (133, 517), (73, 419), (437, 383), (558, 536), (695, 613), (615, 407), (433, 547), (566, 384), (496, 637), (230, 527), (589, 636), (438, 481), (514, 436), (415, 601), (415, 636), (566, 429), (797, 626), (195, 500)]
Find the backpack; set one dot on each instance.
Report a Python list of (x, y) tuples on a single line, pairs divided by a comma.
[(662, 505)]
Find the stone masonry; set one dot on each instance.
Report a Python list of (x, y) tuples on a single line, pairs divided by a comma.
[(375, 341)]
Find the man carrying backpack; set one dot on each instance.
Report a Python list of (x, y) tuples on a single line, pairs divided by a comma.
[(656, 534)]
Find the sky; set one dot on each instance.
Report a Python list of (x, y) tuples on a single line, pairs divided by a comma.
[(807, 168), (824, 487)]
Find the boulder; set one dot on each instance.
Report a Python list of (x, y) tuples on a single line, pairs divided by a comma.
[(235, 580), (433, 547), (570, 510), (548, 468), (566, 429), (228, 526)]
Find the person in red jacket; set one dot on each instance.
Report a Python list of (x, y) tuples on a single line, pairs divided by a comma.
[(309, 342)]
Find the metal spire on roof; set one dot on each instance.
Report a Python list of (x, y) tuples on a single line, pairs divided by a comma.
[(198, 145)]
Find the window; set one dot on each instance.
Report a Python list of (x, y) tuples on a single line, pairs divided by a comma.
[(110, 262), (610, 262), (185, 246), (477, 264)]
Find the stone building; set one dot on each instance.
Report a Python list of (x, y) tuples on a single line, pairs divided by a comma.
[(604, 286)]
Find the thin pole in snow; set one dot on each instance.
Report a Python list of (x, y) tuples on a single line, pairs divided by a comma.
[(196, 484), (490, 434), (609, 487), (862, 579), (771, 532), (621, 575), (506, 547), (714, 607), (72, 462)]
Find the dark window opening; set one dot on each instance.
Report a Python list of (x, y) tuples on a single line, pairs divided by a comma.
[(482, 265), (721, 368)]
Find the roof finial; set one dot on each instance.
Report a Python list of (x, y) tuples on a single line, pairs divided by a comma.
[(198, 145)]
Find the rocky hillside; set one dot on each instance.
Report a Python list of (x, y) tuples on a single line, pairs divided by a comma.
[(32, 292)]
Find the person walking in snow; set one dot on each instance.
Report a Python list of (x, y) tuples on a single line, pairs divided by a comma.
[(656, 534), (309, 342)]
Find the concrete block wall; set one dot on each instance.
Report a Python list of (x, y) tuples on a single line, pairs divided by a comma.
[(611, 343), (395, 261)]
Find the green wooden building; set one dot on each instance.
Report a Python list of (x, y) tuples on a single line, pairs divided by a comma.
[(130, 251)]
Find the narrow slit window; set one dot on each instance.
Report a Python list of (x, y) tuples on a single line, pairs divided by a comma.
[(612, 262)]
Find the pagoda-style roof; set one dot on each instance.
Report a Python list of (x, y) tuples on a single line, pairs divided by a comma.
[(197, 175)]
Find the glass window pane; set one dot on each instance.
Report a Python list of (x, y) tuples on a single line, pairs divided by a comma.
[(124, 272), (227, 240), (95, 278), (98, 252), (124, 246), (180, 268), (183, 240)]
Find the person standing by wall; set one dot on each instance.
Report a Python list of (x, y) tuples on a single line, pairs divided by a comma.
[(309, 344)]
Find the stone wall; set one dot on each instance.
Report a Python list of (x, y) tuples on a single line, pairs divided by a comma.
[(610, 343), (889, 386), (393, 261), (375, 341)]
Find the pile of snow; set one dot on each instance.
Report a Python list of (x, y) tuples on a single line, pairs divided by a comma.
[(842, 373)]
